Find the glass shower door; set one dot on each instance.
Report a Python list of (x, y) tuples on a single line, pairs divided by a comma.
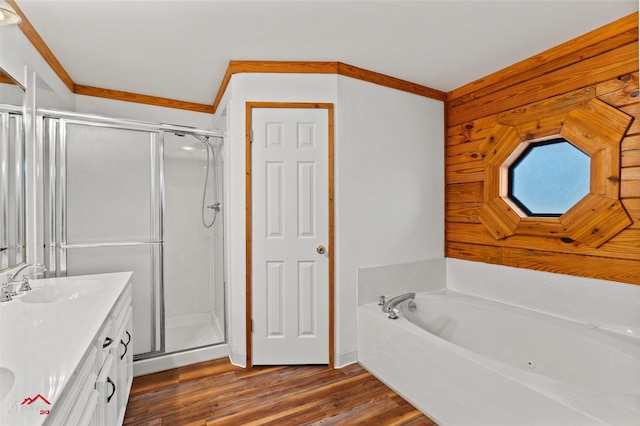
[(108, 213), (126, 196)]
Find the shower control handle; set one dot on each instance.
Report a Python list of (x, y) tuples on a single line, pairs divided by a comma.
[(321, 249)]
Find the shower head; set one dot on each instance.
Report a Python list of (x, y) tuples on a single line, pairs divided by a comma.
[(203, 139)]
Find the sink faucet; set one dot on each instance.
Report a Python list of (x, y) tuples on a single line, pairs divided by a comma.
[(6, 294), (389, 305)]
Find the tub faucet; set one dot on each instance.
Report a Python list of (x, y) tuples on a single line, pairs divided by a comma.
[(389, 305)]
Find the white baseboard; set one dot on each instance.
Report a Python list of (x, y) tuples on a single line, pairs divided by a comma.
[(342, 360), (237, 359)]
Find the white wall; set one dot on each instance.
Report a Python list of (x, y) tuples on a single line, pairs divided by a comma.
[(20, 58), (389, 165), (390, 189)]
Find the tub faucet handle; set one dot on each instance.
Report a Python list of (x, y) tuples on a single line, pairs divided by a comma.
[(382, 299)]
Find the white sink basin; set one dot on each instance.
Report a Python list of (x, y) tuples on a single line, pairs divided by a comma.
[(6, 381), (62, 292)]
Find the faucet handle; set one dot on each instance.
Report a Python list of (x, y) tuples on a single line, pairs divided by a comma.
[(24, 285), (382, 299), (5, 295)]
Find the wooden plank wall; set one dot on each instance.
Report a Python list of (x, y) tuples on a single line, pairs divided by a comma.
[(606, 59)]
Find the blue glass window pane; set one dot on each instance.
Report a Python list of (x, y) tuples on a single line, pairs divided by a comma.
[(549, 178)]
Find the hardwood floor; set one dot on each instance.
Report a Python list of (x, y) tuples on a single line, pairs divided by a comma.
[(218, 393)]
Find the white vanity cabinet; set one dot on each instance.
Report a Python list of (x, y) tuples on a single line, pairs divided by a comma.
[(115, 366), (75, 406), (98, 395), (66, 352), (115, 372)]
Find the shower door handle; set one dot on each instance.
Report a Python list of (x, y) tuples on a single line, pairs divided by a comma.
[(321, 249)]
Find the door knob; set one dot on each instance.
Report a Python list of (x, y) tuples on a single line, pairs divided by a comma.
[(321, 249)]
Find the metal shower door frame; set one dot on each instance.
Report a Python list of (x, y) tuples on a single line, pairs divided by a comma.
[(53, 124)]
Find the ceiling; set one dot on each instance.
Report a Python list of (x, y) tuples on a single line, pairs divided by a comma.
[(180, 49)]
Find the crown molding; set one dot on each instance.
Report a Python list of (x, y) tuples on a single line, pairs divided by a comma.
[(339, 68)]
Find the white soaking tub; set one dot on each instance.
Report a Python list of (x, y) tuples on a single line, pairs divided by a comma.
[(464, 360)]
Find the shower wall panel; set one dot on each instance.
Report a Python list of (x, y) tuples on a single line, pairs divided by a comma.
[(188, 250), (193, 291)]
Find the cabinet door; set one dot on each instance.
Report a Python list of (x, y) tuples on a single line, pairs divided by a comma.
[(89, 411), (124, 360), (107, 409), (128, 358)]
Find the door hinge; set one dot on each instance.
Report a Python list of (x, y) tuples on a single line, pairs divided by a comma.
[(250, 136)]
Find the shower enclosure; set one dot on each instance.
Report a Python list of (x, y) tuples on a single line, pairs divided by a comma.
[(141, 197)]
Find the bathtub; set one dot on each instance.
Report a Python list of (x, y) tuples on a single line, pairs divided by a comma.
[(464, 360)]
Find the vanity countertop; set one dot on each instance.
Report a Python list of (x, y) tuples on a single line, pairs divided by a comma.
[(44, 337)]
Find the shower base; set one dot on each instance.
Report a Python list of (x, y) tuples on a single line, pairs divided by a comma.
[(191, 331)]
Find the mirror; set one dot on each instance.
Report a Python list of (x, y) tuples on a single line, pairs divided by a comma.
[(12, 173)]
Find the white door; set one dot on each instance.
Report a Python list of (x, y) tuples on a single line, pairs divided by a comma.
[(290, 230)]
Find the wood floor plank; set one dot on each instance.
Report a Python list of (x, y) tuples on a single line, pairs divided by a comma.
[(218, 393), (153, 381), (214, 367)]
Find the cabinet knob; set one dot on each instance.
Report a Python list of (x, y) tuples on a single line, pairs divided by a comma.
[(107, 342)]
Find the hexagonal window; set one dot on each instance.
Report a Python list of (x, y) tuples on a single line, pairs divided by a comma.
[(549, 178)]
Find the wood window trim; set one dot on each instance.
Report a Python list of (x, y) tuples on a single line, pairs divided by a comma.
[(331, 237), (588, 123)]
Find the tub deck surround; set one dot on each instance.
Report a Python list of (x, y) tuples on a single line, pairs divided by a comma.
[(392, 280), (43, 343), (478, 361), (606, 304)]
